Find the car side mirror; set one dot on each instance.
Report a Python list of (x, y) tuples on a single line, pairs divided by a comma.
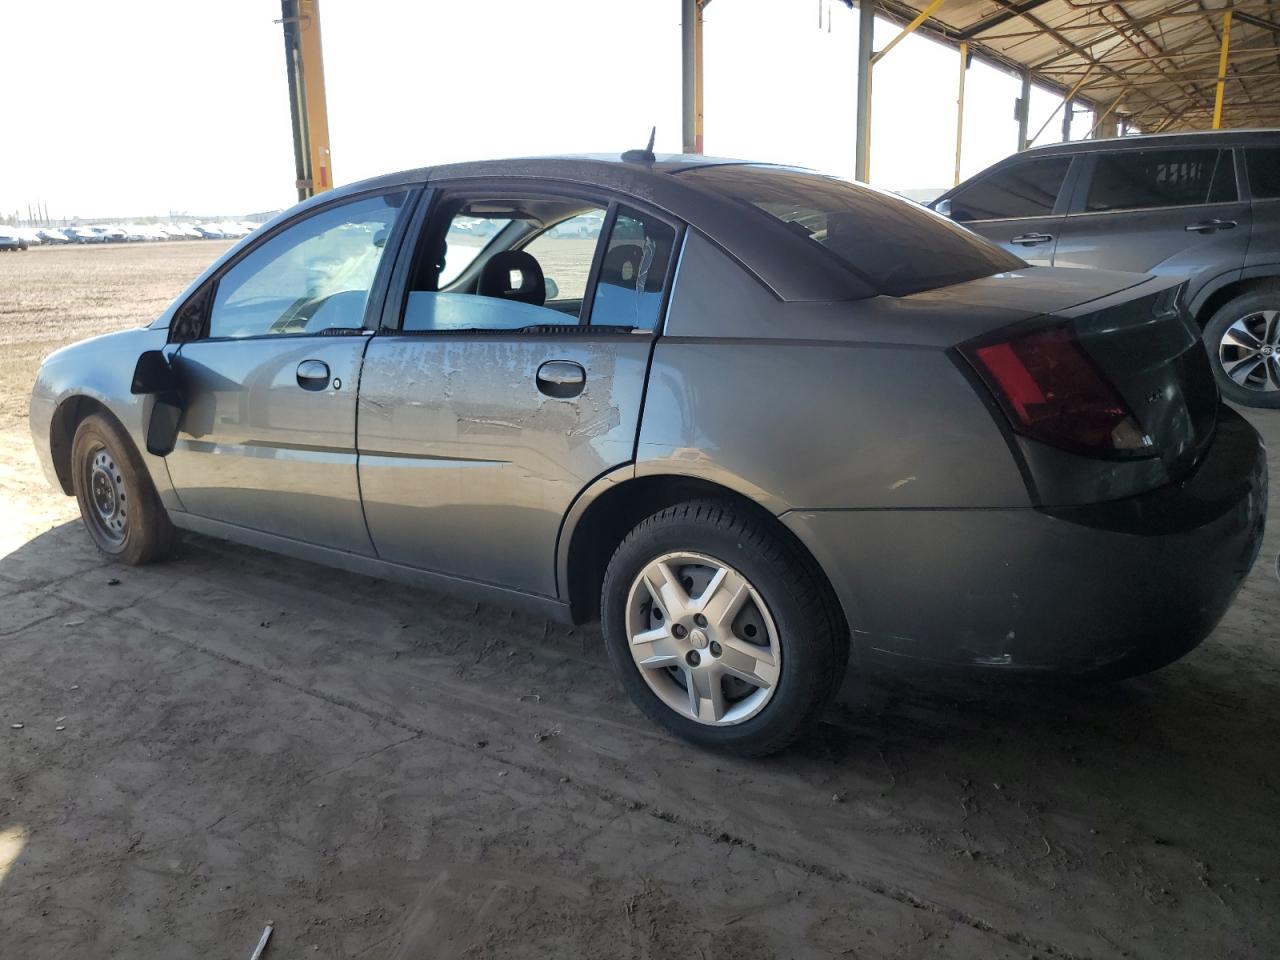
[(943, 207), (553, 291), (154, 375)]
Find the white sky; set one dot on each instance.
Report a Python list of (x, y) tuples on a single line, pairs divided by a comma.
[(140, 107)]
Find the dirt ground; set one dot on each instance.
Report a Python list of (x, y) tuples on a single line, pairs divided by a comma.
[(235, 738)]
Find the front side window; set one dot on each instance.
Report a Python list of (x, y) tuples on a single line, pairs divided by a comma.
[(1263, 165), (633, 271), (314, 276), (1028, 189), (895, 246), (503, 263), (1145, 179)]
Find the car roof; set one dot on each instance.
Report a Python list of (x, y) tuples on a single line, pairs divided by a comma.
[(1191, 138), (784, 262)]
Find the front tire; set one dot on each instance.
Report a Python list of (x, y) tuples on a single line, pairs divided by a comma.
[(1243, 340), (721, 629), (118, 502)]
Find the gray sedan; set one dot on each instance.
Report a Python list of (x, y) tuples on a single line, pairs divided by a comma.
[(756, 420)]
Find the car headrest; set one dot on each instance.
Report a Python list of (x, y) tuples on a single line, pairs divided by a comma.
[(513, 275), (621, 265)]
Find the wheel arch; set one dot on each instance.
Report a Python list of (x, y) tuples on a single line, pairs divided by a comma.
[(67, 417), (608, 511), (1228, 291)]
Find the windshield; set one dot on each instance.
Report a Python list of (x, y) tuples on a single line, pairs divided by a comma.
[(893, 244)]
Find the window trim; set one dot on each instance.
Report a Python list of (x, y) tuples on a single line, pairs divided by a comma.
[(440, 192), (377, 291), (1081, 196)]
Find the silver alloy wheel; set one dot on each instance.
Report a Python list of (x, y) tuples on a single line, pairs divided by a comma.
[(105, 484), (703, 639), (1250, 351)]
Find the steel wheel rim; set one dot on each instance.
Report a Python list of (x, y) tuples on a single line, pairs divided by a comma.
[(108, 502), (703, 639), (1249, 351)]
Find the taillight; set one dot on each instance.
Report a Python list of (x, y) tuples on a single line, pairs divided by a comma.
[(1054, 393)]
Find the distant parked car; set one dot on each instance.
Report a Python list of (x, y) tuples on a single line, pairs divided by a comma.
[(210, 231), (85, 235), (1201, 205), (51, 235), (113, 234), (842, 423), (9, 239)]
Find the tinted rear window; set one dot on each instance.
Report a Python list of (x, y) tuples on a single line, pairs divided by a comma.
[(896, 246), (1142, 179), (1264, 172), (1028, 189)]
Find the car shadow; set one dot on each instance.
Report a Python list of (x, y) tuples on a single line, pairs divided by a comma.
[(1159, 791)]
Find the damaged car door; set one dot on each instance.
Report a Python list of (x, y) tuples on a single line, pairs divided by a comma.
[(510, 377)]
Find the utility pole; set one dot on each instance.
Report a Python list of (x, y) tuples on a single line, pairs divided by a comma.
[(312, 161)]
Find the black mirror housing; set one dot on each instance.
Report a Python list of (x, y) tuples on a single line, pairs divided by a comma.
[(153, 374)]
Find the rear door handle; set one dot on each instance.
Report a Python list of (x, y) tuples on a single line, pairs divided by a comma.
[(561, 379), (1208, 226), (1032, 239), (313, 374)]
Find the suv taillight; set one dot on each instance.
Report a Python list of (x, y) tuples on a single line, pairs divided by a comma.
[(1052, 392)]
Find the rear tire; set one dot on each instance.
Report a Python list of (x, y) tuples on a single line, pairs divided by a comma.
[(118, 502), (1243, 340), (721, 629)]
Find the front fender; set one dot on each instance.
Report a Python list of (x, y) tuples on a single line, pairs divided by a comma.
[(100, 370)]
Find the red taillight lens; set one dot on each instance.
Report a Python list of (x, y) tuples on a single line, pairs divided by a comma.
[(1052, 392)]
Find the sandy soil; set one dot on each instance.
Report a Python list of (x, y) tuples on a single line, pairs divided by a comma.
[(388, 773)]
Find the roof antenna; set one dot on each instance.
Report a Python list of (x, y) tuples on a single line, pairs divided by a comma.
[(642, 156)]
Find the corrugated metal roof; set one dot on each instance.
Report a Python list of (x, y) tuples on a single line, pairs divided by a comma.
[(1154, 62)]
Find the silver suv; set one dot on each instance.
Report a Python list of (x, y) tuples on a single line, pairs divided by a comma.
[(1205, 206)]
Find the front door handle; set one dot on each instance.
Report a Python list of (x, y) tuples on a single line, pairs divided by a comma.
[(561, 379), (1032, 239), (313, 374), (1209, 226)]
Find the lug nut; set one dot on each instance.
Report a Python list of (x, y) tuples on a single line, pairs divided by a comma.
[(700, 620), (692, 658), (679, 631), (716, 649)]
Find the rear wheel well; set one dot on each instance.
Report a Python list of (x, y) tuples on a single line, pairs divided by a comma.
[(66, 419), (617, 511), (1220, 298)]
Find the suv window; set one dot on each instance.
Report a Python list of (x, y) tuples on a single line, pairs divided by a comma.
[(1263, 165), (503, 263), (1143, 179), (1027, 189), (313, 276), (895, 246), (629, 293)]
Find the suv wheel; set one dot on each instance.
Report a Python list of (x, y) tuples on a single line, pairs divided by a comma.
[(720, 629), (118, 502), (1243, 339)]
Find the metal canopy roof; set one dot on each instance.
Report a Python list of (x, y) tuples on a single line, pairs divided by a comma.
[(1154, 63)]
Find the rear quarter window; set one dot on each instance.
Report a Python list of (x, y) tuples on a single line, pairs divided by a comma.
[(1263, 164), (894, 245)]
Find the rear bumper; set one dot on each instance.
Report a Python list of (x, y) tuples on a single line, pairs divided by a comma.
[(1141, 580)]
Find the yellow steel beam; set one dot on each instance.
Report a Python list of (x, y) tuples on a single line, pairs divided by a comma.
[(313, 87), (910, 28), (1065, 100), (964, 68), (1222, 70)]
